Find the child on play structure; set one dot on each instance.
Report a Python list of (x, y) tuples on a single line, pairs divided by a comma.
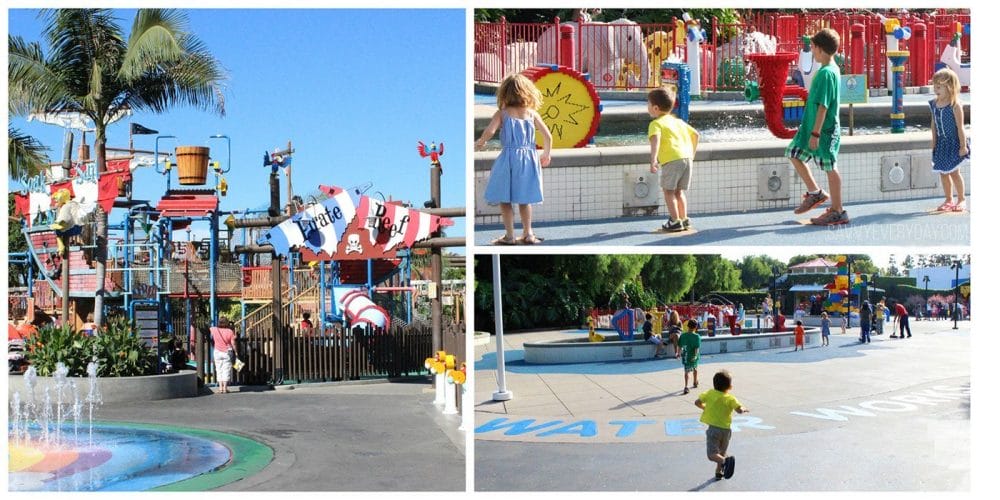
[(818, 137), (717, 407), (672, 144), (690, 343), (949, 146), (516, 176)]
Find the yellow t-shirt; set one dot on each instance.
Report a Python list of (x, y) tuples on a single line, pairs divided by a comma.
[(676, 138), (719, 408)]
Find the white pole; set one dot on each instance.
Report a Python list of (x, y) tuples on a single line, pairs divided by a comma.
[(466, 414), (502, 393), (439, 383), (450, 399)]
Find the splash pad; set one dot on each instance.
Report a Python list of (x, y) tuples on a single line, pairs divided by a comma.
[(614, 348), (55, 445)]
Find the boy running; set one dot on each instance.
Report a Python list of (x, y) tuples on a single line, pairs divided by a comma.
[(717, 412)]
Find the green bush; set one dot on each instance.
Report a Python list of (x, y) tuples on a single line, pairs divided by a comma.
[(53, 345), (118, 351), (122, 353)]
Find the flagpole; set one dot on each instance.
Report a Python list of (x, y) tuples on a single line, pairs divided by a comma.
[(291, 207)]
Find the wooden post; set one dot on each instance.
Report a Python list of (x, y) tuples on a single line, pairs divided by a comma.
[(65, 280), (436, 339), (276, 324)]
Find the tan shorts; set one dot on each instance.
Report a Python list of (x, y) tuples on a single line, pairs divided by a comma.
[(675, 175), (717, 440)]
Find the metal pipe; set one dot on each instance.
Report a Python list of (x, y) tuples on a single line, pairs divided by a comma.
[(502, 394), (128, 268), (229, 151), (213, 253), (322, 294), (445, 212), (258, 222), (387, 289), (156, 156)]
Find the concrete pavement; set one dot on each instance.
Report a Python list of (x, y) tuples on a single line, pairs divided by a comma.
[(333, 437), (892, 223), (891, 415)]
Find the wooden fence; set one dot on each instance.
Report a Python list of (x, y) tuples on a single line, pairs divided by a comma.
[(332, 354)]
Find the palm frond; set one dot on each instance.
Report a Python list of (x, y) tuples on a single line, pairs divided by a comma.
[(25, 155), (156, 39), (33, 84)]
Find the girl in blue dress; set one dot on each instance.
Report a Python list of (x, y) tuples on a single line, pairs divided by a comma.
[(516, 176), (949, 146)]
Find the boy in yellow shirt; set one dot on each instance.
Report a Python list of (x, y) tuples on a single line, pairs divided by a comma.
[(718, 405), (672, 144)]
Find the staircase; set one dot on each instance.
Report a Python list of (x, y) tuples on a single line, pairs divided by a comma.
[(43, 248), (261, 316)]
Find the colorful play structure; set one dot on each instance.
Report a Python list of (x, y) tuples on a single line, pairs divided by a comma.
[(625, 55), (843, 286), (951, 56), (345, 258)]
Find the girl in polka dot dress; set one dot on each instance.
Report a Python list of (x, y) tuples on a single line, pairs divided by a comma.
[(950, 147)]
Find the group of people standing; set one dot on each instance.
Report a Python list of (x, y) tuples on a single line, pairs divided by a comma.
[(516, 176)]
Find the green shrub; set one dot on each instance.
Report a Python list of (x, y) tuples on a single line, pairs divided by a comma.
[(122, 353), (53, 345)]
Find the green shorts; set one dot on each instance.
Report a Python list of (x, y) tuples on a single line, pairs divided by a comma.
[(804, 155)]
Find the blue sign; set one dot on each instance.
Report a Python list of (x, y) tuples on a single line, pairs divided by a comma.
[(853, 89)]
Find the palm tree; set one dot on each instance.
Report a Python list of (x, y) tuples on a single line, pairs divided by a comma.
[(93, 70)]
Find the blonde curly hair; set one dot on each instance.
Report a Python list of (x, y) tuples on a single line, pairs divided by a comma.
[(517, 91)]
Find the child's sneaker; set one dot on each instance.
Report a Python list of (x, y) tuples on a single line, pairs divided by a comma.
[(729, 466), (811, 201), (673, 226), (686, 222), (831, 217)]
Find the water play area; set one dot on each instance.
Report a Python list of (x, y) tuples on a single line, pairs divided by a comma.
[(740, 165)]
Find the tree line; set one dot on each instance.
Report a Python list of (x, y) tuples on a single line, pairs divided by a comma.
[(550, 290)]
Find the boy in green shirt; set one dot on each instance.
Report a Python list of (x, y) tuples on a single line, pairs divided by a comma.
[(690, 345), (718, 405), (818, 137)]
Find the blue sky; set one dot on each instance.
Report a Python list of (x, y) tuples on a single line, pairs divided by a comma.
[(342, 84)]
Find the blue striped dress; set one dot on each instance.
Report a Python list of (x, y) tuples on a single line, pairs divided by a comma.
[(516, 176)]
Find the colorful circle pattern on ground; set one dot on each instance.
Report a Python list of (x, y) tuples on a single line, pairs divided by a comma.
[(134, 457)]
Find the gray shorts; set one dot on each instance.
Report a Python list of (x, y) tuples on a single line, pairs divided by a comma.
[(675, 175), (717, 440)]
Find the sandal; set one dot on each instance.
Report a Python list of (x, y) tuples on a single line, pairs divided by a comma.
[(958, 207), (531, 239), (504, 240), (686, 390), (946, 207)]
